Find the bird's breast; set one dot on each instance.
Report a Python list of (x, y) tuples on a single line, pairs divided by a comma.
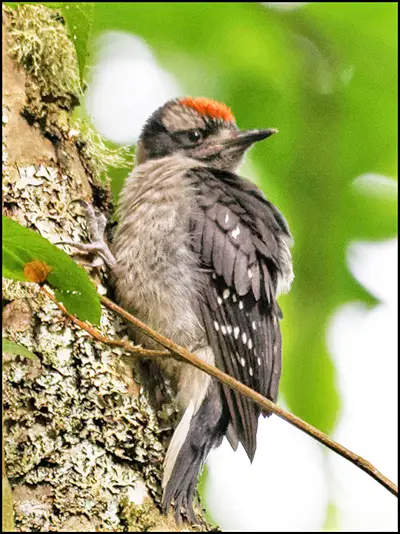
[(156, 267)]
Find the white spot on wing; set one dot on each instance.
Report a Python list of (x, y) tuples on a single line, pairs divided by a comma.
[(236, 232), (240, 305), (244, 337), (250, 344), (223, 330), (229, 329), (243, 362), (216, 326), (253, 324), (250, 273), (234, 297), (259, 361), (236, 332), (219, 300), (251, 371), (226, 293)]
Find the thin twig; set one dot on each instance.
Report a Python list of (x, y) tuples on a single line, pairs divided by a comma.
[(175, 350), (126, 345), (256, 397)]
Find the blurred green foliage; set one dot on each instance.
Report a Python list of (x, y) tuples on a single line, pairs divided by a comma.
[(325, 76)]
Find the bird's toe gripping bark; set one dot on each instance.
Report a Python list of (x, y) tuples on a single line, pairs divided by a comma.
[(96, 224)]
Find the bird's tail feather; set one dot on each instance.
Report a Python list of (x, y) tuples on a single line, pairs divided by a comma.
[(194, 437)]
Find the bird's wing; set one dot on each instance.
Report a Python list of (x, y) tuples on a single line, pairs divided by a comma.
[(238, 236)]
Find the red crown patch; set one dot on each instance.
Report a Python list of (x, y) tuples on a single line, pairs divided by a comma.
[(211, 108)]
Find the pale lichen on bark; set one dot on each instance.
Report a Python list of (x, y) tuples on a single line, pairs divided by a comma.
[(84, 449)]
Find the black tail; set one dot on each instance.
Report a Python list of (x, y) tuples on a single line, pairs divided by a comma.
[(206, 430)]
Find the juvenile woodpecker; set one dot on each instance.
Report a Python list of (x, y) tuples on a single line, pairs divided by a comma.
[(201, 256)]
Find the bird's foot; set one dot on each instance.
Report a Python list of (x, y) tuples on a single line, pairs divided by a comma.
[(96, 224)]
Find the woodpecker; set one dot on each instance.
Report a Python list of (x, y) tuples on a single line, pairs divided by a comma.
[(201, 256)]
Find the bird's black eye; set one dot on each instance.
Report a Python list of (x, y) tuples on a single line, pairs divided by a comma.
[(195, 136), (190, 137)]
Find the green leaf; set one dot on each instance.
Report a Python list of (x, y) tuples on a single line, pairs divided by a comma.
[(14, 348), (79, 18), (27, 256), (7, 507)]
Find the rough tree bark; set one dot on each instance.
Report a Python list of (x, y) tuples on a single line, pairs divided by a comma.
[(83, 448)]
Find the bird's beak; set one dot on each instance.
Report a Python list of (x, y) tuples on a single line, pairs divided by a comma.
[(246, 138), (231, 145)]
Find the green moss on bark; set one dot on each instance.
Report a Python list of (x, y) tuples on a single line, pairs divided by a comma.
[(40, 43)]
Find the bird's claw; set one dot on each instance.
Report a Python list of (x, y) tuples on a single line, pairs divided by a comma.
[(96, 224)]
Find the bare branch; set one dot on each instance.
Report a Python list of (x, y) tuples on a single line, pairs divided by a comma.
[(175, 350)]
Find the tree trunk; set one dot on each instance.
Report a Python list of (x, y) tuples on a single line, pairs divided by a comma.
[(83, 448)]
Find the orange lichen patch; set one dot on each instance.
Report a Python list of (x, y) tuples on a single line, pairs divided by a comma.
[(211, 108), (37, 271)]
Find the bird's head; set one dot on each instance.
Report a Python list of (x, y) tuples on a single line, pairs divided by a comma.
[(199, 128)]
